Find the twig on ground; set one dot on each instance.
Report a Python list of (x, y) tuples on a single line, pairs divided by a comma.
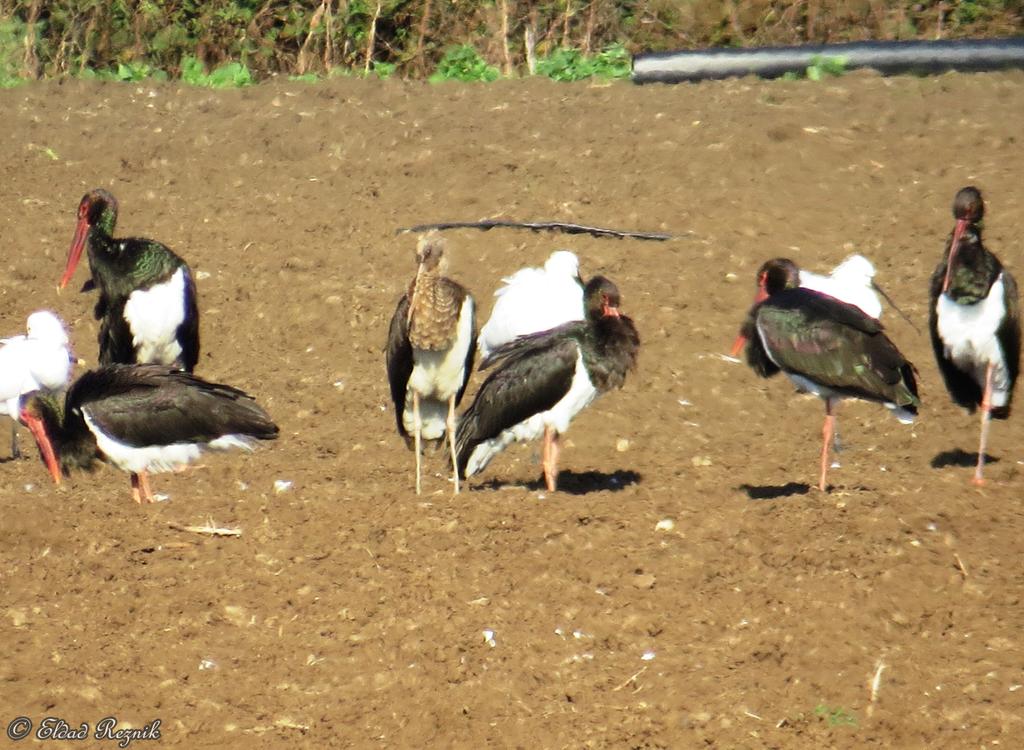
[(960, 565), (876, 683), (210, 529), (633, 677)]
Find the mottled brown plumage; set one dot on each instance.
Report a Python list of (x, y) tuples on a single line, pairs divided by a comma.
[(431, 343), (436, 300)]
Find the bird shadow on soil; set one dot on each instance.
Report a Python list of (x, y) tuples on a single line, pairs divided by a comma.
[(961, 458), (774, 492), (573, 483)]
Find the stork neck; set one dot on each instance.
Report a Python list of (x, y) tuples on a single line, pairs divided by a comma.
[(121, 266)]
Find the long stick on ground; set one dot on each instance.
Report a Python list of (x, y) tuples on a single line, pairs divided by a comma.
[(537, 226)]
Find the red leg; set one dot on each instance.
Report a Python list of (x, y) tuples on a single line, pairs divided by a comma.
[(986, 418), (549, 458), (147, 493), (827, 431), (553, 482), (135, 489)]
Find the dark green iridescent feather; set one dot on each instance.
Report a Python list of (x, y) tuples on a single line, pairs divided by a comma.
[(832, 344)]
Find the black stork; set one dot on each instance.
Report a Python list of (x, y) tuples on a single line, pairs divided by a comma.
[(541, 381), (533, 300), (826, 347), (147, 305), (430, 351), (39, 359), (143, 419), (975, 321), (852, 281)]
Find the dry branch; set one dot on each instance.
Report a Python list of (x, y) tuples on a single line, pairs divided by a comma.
[(303, 62), (504, 38), (530, 43), (371, 40), (536, 226), (424, 21)]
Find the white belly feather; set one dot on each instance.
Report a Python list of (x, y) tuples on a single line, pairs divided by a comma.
[(581, 392), (437, 376), (154, 316), (968, 333), (159, 458)]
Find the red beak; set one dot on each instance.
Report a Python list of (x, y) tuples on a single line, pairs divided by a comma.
[(741, 340), (35, 426), (958, 233), (610, 312), (75, 253)]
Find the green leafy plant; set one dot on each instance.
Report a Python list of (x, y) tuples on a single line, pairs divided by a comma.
[(569, 64), (565, 64), (11, 33), (822, 66), (613, 61), (464, 63), (228, 75), (972, 11), (383, 69), (836, 717)]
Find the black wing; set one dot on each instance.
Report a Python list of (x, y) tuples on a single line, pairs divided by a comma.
[(144, 405), (835, 345), (1008, 336), (532, 374), (399, 361), (963, 388), (115, 338), (525, 345), (188, 331), (470, 358)]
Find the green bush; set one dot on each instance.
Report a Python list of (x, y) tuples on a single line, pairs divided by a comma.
[(245, 40), (11, 34), (228, 75), (463, 63), (568, 64)]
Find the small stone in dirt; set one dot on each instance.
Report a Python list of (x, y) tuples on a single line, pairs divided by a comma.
[(644, 581), (282, 485), (665, 524), (700, 461), (622, 445)]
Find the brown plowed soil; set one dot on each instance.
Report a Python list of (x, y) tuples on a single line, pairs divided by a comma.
[(352, 613)]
